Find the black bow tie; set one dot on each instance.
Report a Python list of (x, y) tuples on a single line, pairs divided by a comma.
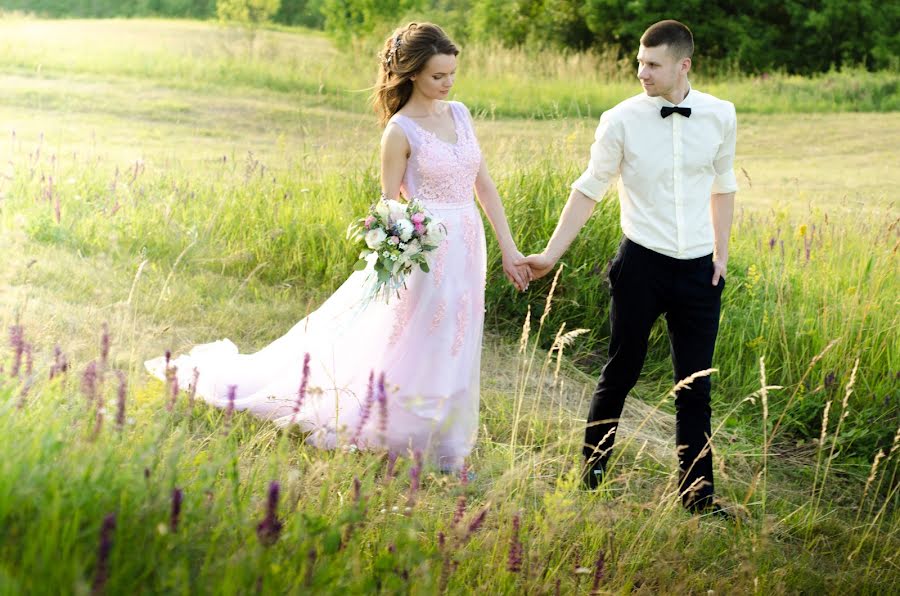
[(666, 111)]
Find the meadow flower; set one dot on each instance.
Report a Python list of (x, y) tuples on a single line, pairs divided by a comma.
[(104, 346), (382, 406), (301, 392), (476, 523), (101, 572), (193, 388), (89, 381), (232, 393), (120, 400), (60, 364), (599, 566), (17, 342), (514, 559), (460, 510), (269, 528), (177, 497), (415, 474)]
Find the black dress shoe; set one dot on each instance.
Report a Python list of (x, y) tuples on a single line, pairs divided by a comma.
[(593, 473)]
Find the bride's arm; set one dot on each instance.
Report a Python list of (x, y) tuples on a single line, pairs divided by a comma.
[(394, 155), (487, 194)]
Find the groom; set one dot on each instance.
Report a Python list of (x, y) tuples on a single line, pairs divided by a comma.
[(673, 149)]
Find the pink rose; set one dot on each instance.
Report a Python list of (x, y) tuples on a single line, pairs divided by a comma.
[(393, 240), (418, 218), (420, 229), (369, 221)]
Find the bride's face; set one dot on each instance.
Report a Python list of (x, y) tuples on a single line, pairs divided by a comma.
[(436, 78)]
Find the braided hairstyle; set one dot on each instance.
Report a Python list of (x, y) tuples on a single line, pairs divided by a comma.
[(403, 56)]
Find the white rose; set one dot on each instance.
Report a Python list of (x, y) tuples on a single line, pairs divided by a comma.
[(434, 233), (396, 209), (374, 238), (412, 248), (382, 209), (406, 229)]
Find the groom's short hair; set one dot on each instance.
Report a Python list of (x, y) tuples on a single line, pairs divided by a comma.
[(670, 33)]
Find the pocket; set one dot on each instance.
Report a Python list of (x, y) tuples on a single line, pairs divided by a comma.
[(614, 270)]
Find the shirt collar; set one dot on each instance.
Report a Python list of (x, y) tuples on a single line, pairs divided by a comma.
[(687, 102)]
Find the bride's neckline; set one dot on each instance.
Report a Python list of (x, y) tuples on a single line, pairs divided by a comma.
[(433, 133)]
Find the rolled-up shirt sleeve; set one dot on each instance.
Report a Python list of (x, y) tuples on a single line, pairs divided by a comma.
[(725, 180), (606, 159)]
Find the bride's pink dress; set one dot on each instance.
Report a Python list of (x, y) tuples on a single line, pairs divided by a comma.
[(427, 342)]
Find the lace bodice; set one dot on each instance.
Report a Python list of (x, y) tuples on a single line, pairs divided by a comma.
[(438, 171)]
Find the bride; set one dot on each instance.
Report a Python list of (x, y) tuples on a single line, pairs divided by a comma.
[(405, 374)]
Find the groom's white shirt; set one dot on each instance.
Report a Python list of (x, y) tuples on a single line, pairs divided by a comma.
[(668, 168)]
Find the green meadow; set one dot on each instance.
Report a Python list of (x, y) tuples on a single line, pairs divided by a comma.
[(179, 182)]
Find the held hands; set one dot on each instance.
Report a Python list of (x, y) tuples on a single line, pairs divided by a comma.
[(539, 264), (517, 272)]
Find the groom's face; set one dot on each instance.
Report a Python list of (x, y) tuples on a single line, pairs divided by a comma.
[(659, 69)]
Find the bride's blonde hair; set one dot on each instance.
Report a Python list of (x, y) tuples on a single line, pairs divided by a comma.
[(404, 55)]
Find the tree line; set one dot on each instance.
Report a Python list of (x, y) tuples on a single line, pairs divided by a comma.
[(795, 36)]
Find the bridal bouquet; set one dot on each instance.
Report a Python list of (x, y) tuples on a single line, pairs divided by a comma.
[(396, 236)]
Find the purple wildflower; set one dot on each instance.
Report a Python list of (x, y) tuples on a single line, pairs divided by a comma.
[(464, 474), (101, 573), (442, 541), (357, 490), (120, 400), (476, 523), (98, 417), (514, 560), (177, 497), (89, 381), (310, 565), (460, 510), (366, 410), (382, 406), (229, 411), (193, 389), (415, 474), (830, 379), (174, 389), (147, 474), (598, 571), (301, 392), (772, 243), (392, 461), (104, 347), (57, 356), (269, 528), (17, 341)]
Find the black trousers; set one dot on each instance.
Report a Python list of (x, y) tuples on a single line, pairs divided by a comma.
[(644, 285)]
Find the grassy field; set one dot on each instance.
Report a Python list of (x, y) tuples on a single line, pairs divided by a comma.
[(180, 183)]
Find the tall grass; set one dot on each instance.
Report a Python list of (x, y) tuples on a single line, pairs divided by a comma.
[(796, 283), (499, 82), (116, 485), (200, 240)]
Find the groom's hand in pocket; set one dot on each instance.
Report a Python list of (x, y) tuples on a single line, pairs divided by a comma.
[(719, 266), (540, 265)]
